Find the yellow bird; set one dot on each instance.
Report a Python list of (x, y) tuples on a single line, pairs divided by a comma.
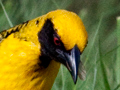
[(31, 53)]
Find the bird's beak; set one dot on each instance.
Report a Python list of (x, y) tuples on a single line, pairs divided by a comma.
[(71, 60)]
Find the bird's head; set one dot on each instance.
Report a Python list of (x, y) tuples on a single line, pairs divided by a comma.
[(63, 38)]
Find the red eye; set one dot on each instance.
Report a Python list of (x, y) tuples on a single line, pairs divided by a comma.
[(56, 41)]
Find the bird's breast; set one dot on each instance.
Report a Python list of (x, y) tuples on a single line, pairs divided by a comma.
[(20, 66)]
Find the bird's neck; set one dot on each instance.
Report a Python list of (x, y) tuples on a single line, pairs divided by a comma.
[(48, 75)]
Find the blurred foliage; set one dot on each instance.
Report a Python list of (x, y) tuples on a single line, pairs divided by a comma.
[(101, 56)]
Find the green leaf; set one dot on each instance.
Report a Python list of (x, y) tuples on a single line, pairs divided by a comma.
[(118, 52)]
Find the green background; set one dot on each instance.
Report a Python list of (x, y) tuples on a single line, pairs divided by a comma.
[(101, 57)]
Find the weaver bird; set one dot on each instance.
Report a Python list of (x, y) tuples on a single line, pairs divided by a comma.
[(31, 53)]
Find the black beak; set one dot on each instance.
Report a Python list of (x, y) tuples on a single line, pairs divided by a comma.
[(71, 60)]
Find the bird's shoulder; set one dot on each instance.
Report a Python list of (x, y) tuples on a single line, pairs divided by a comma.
[(27, 30)]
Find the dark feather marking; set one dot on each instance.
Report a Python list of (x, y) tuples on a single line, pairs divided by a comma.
[(35, 77), (37, 22), (45, 61), (44, 36), (26, 23), (12, 31), (37, 69), (48, 47), (6, 33)]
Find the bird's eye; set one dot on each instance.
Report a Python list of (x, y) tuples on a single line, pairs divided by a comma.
[(57, 41)]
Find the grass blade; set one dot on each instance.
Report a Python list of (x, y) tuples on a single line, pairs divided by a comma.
[(118, 86), (118, 52), (94, 39), (9, 21), (55, 3), (95, 72)]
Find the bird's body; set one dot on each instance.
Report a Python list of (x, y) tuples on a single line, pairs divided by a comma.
[(23, 64)]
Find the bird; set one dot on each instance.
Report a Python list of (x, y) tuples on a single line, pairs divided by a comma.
[(31, 53)]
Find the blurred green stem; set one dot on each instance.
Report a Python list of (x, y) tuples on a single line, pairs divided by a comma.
[(95, 71), (93, 41), (118, 51), (55, 3), (10, 23), (62, 77)]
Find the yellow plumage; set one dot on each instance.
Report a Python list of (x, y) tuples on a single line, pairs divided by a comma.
[(20, 50)]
